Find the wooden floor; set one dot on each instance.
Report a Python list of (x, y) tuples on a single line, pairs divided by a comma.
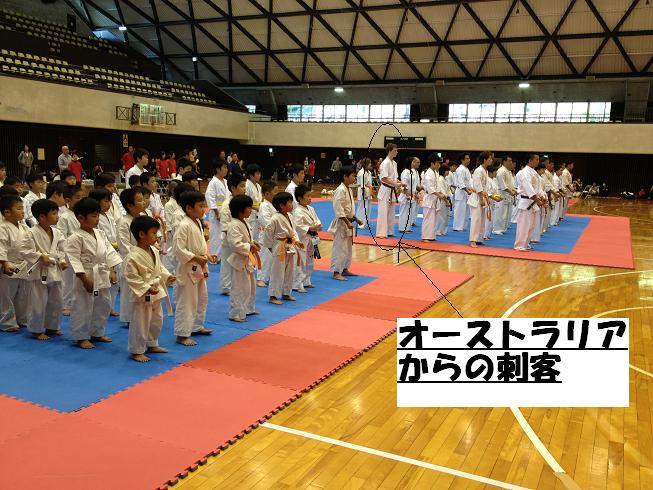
[(597, 448)]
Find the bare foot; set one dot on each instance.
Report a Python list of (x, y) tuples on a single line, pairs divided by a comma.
[(188, 342), (225, 293), (309, 286), (103, 339), (11, 329), (239, 320), (140, 358), (287, 297), (53, 333), (157, 350), (338, 277), (473, 244), (347, 272), (66, 312), (203, 331), (114, 313), (301, 290), (260, 284), (275, 301), (40, 336), (85, 344)]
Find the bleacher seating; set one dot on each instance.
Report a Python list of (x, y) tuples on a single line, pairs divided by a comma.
[(56, 68)]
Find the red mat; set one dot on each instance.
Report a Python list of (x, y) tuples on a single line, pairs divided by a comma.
[(160, 429), (605, 242)]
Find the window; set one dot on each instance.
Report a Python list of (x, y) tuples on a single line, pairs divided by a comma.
[(329, 113), (531, 112), (473, 112), (402, 112), (294, 113), (563, 113), (251, 109), (312, 113), (375, 113), (599, 112), (517, 112), (547, 112), (350, 113), (387, 112), (579, 112), (358, 113), (457, 112), (340, 113)]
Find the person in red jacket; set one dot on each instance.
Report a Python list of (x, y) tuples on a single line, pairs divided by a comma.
[(75, 166), (163, 166), (128, 159), (311, 173)]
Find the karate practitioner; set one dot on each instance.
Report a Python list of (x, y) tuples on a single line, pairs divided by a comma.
[(478, 199), (216, 193), (464, 189), (253, 190), (67, 224), (365, 192), (527, 204), (342, 225), (442, 219), (296, 178), (568, 186), (506, 187), (93, 260), (390, 187), (408, 198), (110, 229), (557, 207), (537, 216), (307, 226), (236, 184), (265, 213), (494, 200), (433, 202)]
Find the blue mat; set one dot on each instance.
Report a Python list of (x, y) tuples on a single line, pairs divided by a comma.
[(559, 239), (59, 375)]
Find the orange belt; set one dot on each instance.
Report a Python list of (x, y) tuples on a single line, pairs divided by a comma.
[(255, 259), (282, 251)]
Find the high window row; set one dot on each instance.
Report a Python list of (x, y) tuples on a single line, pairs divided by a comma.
[(579, 112), (349, 113)]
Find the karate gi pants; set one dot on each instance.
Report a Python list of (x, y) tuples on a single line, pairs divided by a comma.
[(525, 224), (304, 270), (461, 214), (242, 300), (555, 213), (190, 311), (364, 211), (489, 224), (169, 261), (565, 207), (282, 275), (68, 285), (501, 215), (145, 327), (88, 313), (477, 225), (385, 224), (125, 300), (341, 249), (513, 214), (14, 301), (546, 216), (441, 221), (46, 302), (263, 274), (225, 267), (407, 214), (429, 224), (537, 226), (215, 234)]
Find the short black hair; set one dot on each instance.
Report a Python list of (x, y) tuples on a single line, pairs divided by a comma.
[(218, 164), (86, 206), (190, 198), (296, 168), (55, 187), (12, 180), (100, 194), (143, 223), (70, 190), (300, 191), (239, 204), (234, 180), (103, 180), (134, 180), (252, 168), (281, 198), (433, 157), (171, 188), (145, 191), (139, 153), (267, 186), (145, 177), (9, 201), (67, 173), (7, 190), (188, 176), (43, 207), (346, 170), (33, 177), (128, 196), (180, 189)]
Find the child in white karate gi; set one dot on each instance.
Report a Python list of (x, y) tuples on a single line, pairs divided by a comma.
[(307, 225), (67, 224), (236, 183), (216, 193), (341, 226), (265, 213), (93, 260), (148, 280)]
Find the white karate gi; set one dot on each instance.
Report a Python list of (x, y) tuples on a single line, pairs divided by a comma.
[(216, 193), (126, 241), (225, 265), (537, 216), (265, 213), (45, 282), (547, 181), (527, 185), (503, 209), (172, 213), (566, 181), (253, 190), (143, 270), (385, 223), (116, 211), (343, 207), (93, 255), (28, 200), (192, 295), (110, 229), (431, 204), (477, 210), (461, 212), (290, 188), (557, 207), (364, 197), (14, 290), (135, 170), (442, 216), (305, 217), (281, 228), (492, 188), (408, 203), (242, 300), (67, 224)]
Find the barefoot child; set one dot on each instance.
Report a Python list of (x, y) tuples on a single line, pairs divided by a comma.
[(43, 248), (265, 213), (67, 224), (242, 259), (236, 183), (341, 226), (283, 240), (93, 260), (148, 280), (132, 201), (108, 226), (189, 246), (307, 225), (14, 293)]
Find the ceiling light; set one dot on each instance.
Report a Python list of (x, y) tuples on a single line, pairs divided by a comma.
[(194, 58), (122, 28), (524, 85), (339, 90)]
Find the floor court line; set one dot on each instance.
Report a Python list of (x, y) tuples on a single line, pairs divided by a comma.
[(621, 216), (394, 457), (412, 257), (565, 479)]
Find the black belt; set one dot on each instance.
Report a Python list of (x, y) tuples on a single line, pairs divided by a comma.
[(394, 190), (525, 197)]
